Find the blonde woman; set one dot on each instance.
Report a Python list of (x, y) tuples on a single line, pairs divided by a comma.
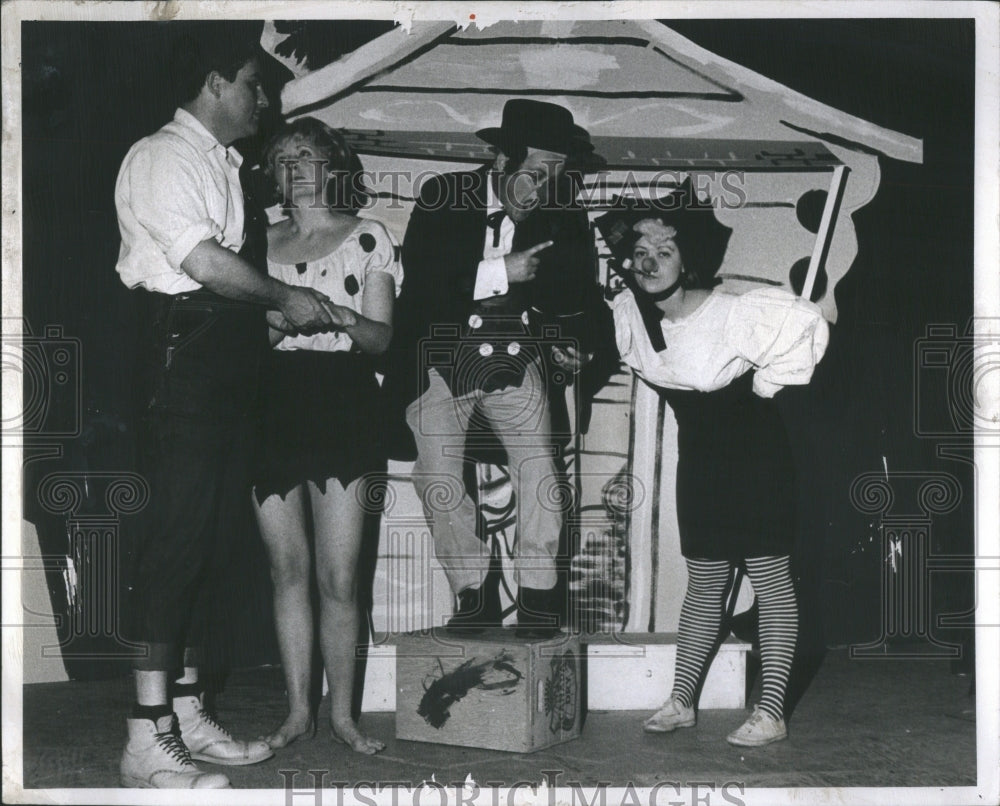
[(320, 421)]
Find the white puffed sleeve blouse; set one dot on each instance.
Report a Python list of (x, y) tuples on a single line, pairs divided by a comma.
[(771, 331)]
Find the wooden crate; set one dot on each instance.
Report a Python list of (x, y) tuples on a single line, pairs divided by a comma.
[(492, 690)]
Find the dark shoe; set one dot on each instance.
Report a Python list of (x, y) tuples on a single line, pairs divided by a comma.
[(538, 613), (476, 612)]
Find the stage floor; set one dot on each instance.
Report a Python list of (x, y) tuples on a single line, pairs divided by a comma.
[(871, 723)]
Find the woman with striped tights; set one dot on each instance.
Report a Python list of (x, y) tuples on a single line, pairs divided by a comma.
[(718, 358)]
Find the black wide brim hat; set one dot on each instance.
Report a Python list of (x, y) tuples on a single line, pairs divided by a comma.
[(584, 159), (701, 238), (549, 127)]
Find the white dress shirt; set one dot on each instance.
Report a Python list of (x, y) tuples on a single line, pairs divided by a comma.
[(491, 277), (176, 188)]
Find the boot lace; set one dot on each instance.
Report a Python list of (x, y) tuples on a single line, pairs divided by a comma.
[(210, 721), (170, 742)]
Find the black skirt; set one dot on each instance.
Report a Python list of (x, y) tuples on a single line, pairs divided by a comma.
[(736, 494), (320, 420)]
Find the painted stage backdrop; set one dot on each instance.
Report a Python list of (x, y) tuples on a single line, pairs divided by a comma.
[(785, 172)]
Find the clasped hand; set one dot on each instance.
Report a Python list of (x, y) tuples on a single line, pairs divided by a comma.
[(306, 310)]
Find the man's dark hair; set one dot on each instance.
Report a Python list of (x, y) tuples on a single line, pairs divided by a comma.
[(200, 48)]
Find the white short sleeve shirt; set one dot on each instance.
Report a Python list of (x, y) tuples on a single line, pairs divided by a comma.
[(176, 188)]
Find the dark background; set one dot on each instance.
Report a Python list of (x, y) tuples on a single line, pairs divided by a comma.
[(90, 90)]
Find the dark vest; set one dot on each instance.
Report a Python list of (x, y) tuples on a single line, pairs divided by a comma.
[(505, 334)]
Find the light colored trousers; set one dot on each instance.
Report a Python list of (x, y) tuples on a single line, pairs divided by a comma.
[(520, 417)]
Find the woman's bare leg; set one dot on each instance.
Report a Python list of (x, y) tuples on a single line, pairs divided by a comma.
[(283, 527), (338, 517)]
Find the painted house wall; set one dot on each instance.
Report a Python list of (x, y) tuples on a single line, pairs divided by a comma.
[(658, 108)]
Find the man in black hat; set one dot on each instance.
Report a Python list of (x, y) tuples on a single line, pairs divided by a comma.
[(490, 256), (193, 248)]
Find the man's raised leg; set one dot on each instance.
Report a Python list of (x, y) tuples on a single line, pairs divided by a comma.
[(439, 423)]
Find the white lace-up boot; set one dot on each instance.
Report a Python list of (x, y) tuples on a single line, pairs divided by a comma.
[(209, 741), (156, 758)]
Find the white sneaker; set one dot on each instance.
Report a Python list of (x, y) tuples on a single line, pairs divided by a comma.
[(760, 729), (156, 758), (672, 715), (209, 741)]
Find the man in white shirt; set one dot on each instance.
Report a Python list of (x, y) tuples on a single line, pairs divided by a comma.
[(470, 339), (194, 248)]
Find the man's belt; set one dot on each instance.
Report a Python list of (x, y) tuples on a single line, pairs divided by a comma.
[(200, 300)]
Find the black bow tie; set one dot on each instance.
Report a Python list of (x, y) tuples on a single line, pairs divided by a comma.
[(494, 220)]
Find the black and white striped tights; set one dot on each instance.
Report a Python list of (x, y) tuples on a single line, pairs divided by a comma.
[(701, 620)]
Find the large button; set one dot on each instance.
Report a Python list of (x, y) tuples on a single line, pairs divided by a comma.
[(524, 318), (513, 348), (486, 350), (475, 322)]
